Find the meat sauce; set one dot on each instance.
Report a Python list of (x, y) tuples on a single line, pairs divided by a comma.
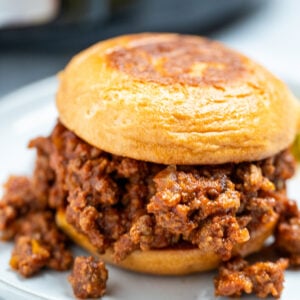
[(127, 204)]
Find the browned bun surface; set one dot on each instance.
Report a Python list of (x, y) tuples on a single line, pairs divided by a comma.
[(175, 99), (168, 261)]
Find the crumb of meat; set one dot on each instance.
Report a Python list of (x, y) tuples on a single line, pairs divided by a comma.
[(29, 256), (180, 194), (141, 232), (262, 210), (61, 257), (88, 277), (220, 234), (262, 278), (287, 235), (200, 209), (123, 247), (19, 199), (40, 228), (43, 176), (27, 219), (142, 235), (88, 221), (253, 179)]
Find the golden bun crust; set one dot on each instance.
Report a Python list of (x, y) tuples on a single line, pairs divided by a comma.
[(169, 261), (175, 99)]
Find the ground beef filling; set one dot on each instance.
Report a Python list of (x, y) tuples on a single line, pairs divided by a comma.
[(262, 278), (28, 220), (128, 204), (88, 277), (287, 235)]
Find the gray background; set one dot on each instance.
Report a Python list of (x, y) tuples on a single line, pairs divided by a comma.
[(270, 36)]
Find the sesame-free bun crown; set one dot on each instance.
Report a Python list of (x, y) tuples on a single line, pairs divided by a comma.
[(175, 99)]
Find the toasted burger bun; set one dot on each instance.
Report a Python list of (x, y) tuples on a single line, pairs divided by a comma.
[(175, 99), (168, 261)]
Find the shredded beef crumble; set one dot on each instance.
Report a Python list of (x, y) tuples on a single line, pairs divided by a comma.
[(28, 256), (262, 278), (128, 204), (287, 235), (19, 199), (27, 219), (88, 277)]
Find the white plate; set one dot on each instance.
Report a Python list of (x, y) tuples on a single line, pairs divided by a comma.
[(30, 112)]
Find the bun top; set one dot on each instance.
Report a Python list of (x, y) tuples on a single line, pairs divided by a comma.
[(175, 99)]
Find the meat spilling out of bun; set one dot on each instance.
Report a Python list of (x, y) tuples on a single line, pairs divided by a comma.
[(174, 152), (192, 158), (177, 261)]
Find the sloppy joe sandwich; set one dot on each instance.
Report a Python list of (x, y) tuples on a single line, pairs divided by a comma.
[(170, 156), (171, 153)]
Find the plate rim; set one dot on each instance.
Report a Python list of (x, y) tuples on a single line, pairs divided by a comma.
[(43, 87)]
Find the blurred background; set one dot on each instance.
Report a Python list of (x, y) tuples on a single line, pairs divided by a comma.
[(38, 37)]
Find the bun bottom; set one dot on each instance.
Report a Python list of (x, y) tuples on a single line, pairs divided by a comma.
[(167, 261)]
